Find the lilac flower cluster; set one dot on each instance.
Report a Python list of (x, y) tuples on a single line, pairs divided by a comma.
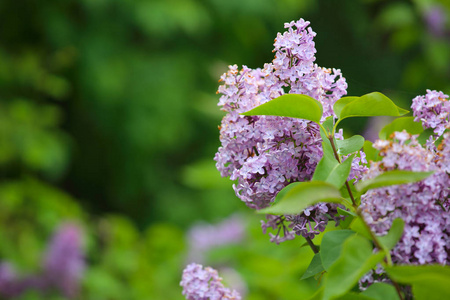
[(205, 284), (423, 205), (266, 153), (62, 269), (433, 109)]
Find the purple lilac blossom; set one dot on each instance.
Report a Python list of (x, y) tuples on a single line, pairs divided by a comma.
[(204, 237), (266, 153), (205, 284), (422, 205), (64, 262), (433, 109)]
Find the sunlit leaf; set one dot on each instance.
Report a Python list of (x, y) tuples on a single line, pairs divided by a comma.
[(369, 105), (290, 105), (302, 195), (350, 145), (329, 170)]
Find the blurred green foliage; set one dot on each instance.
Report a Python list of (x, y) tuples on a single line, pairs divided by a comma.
[(108, 117)]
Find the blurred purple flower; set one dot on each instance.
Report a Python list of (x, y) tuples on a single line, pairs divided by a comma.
[(435, 19), (64, 260), (62, 268), (8, 281), (203, 237)]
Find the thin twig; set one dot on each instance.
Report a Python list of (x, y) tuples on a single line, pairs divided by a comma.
[(311, 244)]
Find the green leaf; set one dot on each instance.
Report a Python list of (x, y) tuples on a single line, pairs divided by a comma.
[(402, 111), (328, 124), (331, 246), (350, 145), (395, 233), (356, 259), (381, 291), (290, 105), (370, 105), (326, 145), (302, 195), (391, 178), (354, 296), (400, 124), (341, 103), (346, 212), (359, 227), (349, 216), (430, 282), (318, 295), (370, 151), (315, 267), (329, 170)]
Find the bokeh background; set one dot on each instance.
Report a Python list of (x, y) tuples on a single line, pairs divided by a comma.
[(108, 129)]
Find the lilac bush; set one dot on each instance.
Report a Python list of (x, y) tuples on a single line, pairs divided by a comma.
[(281, 133), (265, 153)]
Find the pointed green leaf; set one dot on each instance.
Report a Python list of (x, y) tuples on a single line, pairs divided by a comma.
[(402, 111), (430, 282), (393, 236), (381, 291), (350, 145), (315, 267), (324, 168), (346, 212), (331, 246), (302, 195), (341, 103), (391, 178), (340, 175), (326, 145), (290, 105), (400, 124), (356, 259), (370, 105)]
